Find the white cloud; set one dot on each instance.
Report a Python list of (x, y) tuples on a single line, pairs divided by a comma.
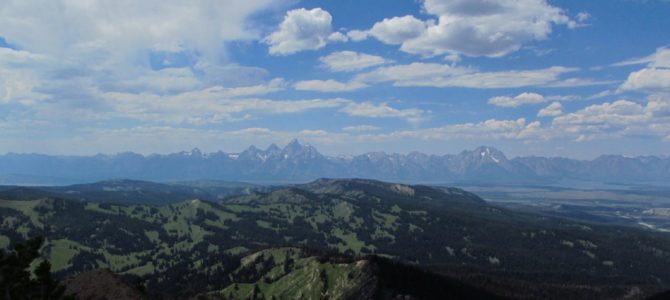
[(425, 74), (577, 82), (357, 35), (453, 57), (659, 106), (533, 131), (10, 57), (347, 61), (18, 87), (521, 99), (443, 75), (598, 121), (601, 94), (168, 80), (528, 98), (583, 16), (18, 80), (383, 110), (218, 105), (648, 80), (77, 57), (614, 120), (473, 27), (396, 30), (328, 86), (654, 78), (301, 30), (563, 98), (659, 59), (123, 29), (619, 112), (337, 37), (274, 85), (553, 110), (211, 105), (489, 129), (361, 128)]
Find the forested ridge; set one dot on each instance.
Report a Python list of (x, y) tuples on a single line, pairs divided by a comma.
[(189, 247)]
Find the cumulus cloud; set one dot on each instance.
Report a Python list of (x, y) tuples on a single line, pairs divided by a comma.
[(357, 35), (654, 78), (328, 86), (303, 30), (347, 61), (658, 106), (619, 112), (648, 80), (337, 37), (553, 110), (599, 121), (607, 120), (614, 119), (397, 30), (473, 27)]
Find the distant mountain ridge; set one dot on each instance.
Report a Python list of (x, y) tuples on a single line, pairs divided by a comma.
[(303, 162)]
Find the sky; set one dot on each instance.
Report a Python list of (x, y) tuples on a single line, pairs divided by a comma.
[(568, 78)]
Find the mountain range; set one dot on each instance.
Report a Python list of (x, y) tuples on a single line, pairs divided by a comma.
[(298, 162)]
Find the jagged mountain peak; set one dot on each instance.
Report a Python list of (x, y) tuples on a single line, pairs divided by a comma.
[(252, 148), (377, 155), (273, 148), (488, 150), (295, 149), (484, 154), (252, 153), (293, 144), (195, 152)]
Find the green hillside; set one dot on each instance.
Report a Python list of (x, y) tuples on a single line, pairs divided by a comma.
[(188, 247), (292, 273)]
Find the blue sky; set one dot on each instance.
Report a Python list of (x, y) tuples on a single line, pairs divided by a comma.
[(530, 77)]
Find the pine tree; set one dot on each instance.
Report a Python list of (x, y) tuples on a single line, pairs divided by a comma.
[(15, 281)]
